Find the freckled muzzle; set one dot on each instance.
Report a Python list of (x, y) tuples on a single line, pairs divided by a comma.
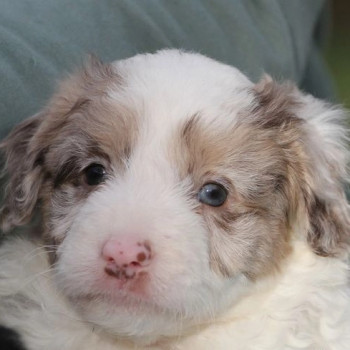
[(126, 258)]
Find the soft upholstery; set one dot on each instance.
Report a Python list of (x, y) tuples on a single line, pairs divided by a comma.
[(42, 39)]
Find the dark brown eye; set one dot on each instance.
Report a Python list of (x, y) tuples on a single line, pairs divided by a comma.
[(95, 174), (212, 194)]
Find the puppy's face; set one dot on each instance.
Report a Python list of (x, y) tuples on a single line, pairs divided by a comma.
[(168, 183)]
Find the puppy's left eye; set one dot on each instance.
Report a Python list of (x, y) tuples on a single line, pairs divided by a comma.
[(94, 174), (212, 194)]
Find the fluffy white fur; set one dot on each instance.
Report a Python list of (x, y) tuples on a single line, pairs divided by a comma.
[(306, 307), (187, 305)]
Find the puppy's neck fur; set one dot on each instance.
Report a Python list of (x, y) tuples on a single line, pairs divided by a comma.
[(306, 306)]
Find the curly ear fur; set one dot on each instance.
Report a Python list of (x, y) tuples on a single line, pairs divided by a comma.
[(326, 203), (314, 138), (23, 168)]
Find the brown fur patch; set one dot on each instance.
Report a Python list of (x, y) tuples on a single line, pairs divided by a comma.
[(275, 104), (98, 131), (266, 166), (46, 155), (247, 234), (329, 232)]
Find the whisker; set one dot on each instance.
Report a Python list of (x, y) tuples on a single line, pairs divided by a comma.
[(28, 258), (31, 279), (41, 249)]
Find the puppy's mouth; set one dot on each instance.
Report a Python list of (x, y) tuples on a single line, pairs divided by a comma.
[(125, 272), (118, 292), (118, 285), (126, 281)]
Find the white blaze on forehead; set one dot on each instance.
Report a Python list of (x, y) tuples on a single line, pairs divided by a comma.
[(172, 85), (166, 89)]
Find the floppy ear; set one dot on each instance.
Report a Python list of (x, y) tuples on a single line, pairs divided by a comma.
[(314, 137), (23, 169), (326, 143)]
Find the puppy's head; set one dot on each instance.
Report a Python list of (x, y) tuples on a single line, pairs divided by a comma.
[(167, 182)]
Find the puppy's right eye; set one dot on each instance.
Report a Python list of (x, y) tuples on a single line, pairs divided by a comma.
[(94, 174)]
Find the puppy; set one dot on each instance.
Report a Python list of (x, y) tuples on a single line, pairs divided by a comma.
[(181, 207)]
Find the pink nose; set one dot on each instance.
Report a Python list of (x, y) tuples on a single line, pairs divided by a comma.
[(125, 258)]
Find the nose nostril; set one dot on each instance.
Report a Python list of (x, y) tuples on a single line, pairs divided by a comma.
[(126, 257)]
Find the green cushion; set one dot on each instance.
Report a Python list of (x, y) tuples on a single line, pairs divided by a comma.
[(42, 39)]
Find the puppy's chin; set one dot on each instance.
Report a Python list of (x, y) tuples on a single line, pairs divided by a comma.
[(131, 319), (144, 317), (140, 320)]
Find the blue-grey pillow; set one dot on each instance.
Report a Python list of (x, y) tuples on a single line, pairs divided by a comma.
[(40, 40)]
